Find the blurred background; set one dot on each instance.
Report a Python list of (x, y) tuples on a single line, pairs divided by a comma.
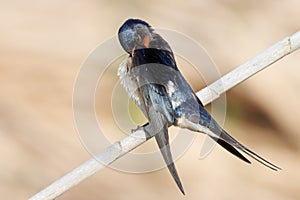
[(43, 44)]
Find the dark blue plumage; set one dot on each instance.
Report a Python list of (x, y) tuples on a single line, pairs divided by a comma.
[(150, 55)]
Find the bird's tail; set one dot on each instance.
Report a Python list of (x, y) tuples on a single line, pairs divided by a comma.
[(209, 126), (162, 140), (232, 145)]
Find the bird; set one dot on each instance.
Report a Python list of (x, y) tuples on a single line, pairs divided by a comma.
[(154, 82)]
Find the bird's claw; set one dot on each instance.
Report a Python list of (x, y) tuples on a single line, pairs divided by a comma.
[(138, 128)]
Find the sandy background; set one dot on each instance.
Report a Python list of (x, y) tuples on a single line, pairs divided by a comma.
[(42, 45)]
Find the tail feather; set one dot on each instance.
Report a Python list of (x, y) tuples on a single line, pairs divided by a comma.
[(226, 138), (228, 142), (260, 159), (231, 149), (162, 140)]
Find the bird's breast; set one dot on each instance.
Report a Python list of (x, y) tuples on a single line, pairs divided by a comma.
[(129, 81)]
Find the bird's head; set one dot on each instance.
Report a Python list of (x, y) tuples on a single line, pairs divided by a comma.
[(135, 33)]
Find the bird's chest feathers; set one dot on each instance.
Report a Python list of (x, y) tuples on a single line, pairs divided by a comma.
[(129, 80)]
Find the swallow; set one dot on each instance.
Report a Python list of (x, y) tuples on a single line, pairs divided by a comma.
[(153, 81)]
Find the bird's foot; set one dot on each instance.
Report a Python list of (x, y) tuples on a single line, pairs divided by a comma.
[(138, 128)]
